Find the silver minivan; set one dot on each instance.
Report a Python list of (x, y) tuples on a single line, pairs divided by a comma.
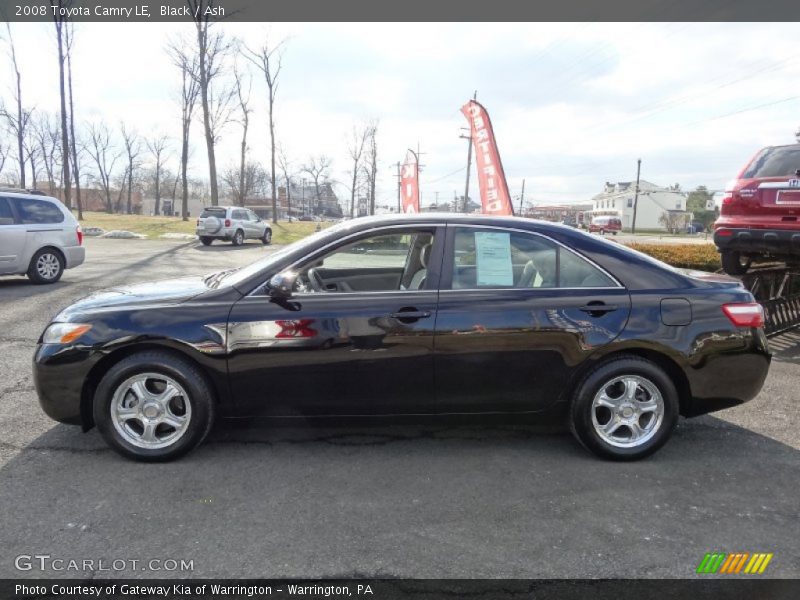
[(39, 237)]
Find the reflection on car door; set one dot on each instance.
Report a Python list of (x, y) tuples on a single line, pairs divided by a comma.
[(337, 352), (509, 331)]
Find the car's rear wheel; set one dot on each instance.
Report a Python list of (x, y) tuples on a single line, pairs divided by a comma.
[(153, 406), (625, 409), (205, 240), (267, 237), (602, 232), (238, 238), (46, 266), (733, 263)]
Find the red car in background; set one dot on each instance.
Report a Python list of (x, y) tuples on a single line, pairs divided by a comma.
[(605, 224), (759, 215)]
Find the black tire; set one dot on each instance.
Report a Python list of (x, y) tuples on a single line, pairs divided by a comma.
[(200, 403), (206, 241), (602, 232), (600, 378), (733, 264), (613, 233), (46, 266), (267, 237), (238, 238)]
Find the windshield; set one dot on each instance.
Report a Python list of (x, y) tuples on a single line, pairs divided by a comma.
[(237, 276), (779, 161)]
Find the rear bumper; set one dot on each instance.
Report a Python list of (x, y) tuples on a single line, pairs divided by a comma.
[(779, 242), (728, 377), (74, 255), (222, 234)]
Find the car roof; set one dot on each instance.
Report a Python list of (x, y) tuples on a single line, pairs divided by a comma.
[(31, 195)]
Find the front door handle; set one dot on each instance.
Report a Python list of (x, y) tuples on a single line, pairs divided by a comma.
[(598, 309), (409, 315)]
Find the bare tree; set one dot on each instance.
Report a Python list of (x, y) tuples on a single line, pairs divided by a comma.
[(33, 155), (285, 166), (212, 47), (187, 63), (45, 132), (268, 59), (243, 96), (240, 188), (355, 147), (76, 169), (59, 22), (133, 148), (101, 149), (19, 119), (318, 169), (3, 156), (371, 164), (158, 149)]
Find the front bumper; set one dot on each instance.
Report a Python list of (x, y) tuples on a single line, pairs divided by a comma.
[(59, 374), (777, 242)]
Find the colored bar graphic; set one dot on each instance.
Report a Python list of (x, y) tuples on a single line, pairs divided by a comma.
[(724, 563)]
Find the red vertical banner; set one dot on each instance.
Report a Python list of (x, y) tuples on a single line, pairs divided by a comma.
[(495, 198), (409, 183)]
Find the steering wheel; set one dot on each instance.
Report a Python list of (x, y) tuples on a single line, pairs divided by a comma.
[(315, 280)]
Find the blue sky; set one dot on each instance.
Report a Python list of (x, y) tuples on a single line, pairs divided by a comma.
[(573, 105)]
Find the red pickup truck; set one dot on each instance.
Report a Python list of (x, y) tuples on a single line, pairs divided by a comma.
[(759, 214)]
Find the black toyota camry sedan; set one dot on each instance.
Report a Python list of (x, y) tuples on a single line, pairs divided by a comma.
[(419, 314)]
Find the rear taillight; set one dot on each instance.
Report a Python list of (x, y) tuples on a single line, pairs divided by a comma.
[(746, 314), (227, 222), (79, 233), (739, 198), (724, 233)]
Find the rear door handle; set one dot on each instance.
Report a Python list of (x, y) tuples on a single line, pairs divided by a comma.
[(409, 316), (598, 308)]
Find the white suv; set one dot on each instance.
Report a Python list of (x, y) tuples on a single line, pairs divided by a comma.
[(38, 236), (233, 224)]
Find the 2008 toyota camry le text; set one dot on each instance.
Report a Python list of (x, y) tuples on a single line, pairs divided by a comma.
[(415, 314)]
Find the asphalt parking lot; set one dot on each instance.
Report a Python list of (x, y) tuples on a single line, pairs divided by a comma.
[(440, 498)]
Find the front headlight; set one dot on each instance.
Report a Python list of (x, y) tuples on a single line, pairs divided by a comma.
[(64, 333)]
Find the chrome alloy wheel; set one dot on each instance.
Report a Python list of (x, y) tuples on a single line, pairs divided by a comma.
[(48, 266), (627, 411), (151, 410)]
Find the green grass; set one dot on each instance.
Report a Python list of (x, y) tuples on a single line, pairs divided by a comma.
[(153, 227)]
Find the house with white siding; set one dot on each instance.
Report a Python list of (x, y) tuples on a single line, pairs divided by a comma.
[(617, 200)]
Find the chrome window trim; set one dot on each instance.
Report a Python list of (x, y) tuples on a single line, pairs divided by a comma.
[(258, 290), (536, 233)]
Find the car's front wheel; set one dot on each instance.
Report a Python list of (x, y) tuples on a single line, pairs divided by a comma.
[(266, 239), (46, 266), (153, 406), (733, 263), (624, 409)]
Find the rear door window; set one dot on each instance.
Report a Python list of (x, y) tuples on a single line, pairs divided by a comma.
[(38, 212), (492, 258), (780, 161), (6, 216)]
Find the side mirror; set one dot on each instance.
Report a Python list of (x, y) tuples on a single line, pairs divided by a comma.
[(281, 285)]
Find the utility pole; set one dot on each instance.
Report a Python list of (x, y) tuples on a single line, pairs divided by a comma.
[(522, 198), (469, 159), (303, 195), (636, 194)]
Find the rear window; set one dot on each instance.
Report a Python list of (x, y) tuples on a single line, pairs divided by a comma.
[(775, 162), (38, 212), (6, 217), (213, 212)]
